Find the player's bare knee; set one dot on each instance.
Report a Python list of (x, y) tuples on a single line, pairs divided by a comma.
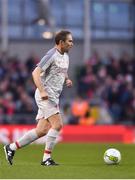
[(41, 132), (58, 127)]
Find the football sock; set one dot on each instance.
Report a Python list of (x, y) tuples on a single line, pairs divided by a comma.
[(29, 137), (50, 143)]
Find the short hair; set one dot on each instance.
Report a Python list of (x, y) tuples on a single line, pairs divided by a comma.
[(61, 35)]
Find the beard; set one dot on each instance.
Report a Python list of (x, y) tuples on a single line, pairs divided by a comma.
[(67, 50)]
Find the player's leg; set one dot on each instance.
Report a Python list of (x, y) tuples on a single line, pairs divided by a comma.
[(32, 135), (56, 125)]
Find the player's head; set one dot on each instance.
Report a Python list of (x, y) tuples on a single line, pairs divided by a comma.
[(64, 40)]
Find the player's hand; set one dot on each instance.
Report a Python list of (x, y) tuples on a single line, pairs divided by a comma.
[(44, 95), (69, 83)]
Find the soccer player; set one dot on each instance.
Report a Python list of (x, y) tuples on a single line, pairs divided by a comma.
[(49, 77)]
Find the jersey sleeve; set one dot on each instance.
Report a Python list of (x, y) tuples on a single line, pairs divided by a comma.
[(45, 62)]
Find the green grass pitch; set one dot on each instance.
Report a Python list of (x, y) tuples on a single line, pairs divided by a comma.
[(77, 161)]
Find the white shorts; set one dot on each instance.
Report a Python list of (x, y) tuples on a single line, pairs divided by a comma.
[(46, 108)]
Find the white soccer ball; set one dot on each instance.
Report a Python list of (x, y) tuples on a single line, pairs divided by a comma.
[(112, 156)]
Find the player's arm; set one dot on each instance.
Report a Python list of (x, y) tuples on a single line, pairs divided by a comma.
[(68, 81), (37, 80)]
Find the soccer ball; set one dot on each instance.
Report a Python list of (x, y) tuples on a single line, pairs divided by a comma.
[(112, 156)]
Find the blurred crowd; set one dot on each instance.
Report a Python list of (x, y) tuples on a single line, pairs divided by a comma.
[(105, 91), (17, 104)]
